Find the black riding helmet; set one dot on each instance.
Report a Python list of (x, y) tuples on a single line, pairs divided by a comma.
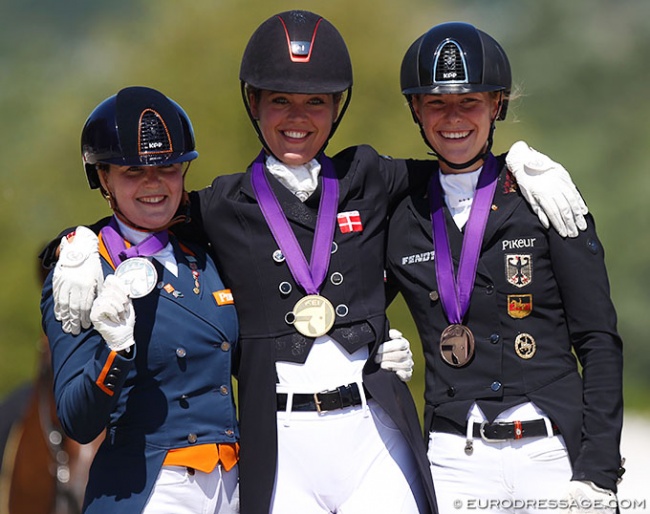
[(138, 126), (456, 58), (296, 52)]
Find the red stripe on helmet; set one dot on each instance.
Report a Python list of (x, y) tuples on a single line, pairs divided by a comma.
[(295, 58)]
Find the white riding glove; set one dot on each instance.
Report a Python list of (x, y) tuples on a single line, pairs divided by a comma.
[(548, 188), (585, 497), (395, 355), (77, 277), (113, 316)]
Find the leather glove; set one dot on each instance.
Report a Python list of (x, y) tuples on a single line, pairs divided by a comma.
[(585, 497), (113, 316), (395, 355), (548, 188), (77, 277)]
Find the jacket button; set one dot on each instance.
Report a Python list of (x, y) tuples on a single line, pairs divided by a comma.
[(224, 390), (278, 256), (495, 386), (192, 438), (489, 289), (336, 278), (451, 391), (225, 346), (434, 296), (181, 352), (495, 338), (229, 432), (342, 310), (285, 287)]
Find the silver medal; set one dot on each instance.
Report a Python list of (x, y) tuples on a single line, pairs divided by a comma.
[(139, 275)]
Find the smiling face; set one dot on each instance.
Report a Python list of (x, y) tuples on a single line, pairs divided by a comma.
[(147, 196), (457, 126), (294, 126)]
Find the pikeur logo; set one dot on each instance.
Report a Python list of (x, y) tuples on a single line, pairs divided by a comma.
[(418, 257), (516, 244)]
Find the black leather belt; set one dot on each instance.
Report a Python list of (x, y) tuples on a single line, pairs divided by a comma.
[(499, 431), (339, 398)]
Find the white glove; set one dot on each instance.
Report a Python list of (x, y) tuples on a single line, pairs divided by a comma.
[(113, 316), (395, 355), (585, 497), (548, 188), (77, 277)]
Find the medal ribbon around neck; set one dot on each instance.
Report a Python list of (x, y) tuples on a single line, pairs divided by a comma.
[(309, 276), (455, 292), (117, 249)]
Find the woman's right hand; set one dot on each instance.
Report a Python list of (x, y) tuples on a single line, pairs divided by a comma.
[(113, 316)]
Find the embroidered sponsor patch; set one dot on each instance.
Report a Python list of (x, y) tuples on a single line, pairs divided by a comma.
[(418, 258), (519, 269), (349, 222), (224, 297), (520, 305)]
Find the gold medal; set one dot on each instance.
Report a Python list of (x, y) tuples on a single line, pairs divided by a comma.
[(525, 346), (457, 345), (313, 315)]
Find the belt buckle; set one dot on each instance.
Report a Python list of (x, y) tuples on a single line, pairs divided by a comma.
[(318, 402), (487, 439)]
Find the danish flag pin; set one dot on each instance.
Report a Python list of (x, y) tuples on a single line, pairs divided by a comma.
[(349, 222)]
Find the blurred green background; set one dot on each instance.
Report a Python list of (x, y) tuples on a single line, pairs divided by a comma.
[(582, 66)]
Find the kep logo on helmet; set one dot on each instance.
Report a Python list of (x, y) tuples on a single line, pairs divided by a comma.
[(153, 134), (450, 65)]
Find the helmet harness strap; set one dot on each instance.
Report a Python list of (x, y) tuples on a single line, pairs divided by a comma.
[(480, 156), (258, 130), (182, 213)]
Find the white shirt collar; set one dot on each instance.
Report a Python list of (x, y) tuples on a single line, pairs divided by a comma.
[(301, 180)]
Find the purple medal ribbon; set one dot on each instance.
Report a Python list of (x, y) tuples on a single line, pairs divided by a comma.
[(309, 276), (118, 251), (455, 292)]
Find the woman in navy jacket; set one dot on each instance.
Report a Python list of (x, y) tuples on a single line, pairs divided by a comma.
[(155, 371)]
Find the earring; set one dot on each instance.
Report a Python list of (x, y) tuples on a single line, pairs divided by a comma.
[(109, 198)]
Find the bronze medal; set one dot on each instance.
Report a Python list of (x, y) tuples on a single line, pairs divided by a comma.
[(313, 315), (525, 346), (457, 345)]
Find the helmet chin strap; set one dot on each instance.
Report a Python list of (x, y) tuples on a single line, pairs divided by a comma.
[(480, 156), (256, 124), (182, 212), (461, 166)]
